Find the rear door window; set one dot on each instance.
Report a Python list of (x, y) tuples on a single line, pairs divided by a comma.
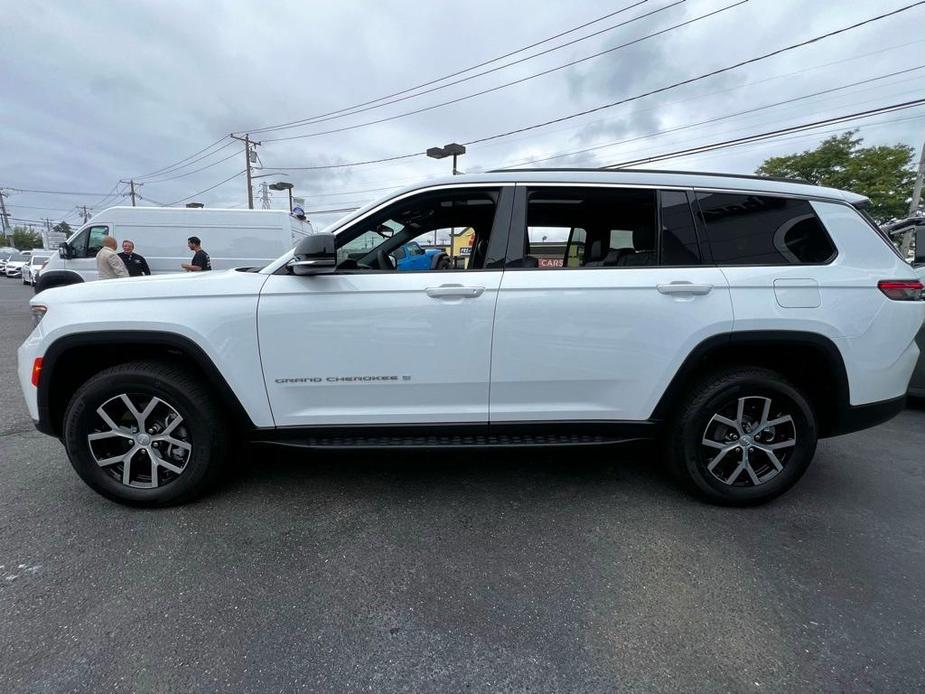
[(746, 229), (594, 227)]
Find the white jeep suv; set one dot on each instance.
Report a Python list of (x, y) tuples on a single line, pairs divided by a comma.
[(734, 319)]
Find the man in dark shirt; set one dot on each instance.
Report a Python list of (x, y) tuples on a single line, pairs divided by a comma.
[(200, 261), (134, 263)]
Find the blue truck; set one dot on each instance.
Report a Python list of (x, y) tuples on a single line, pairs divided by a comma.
[(411, 257)]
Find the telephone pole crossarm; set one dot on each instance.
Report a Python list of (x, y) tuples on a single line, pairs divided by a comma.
[(132, 184)]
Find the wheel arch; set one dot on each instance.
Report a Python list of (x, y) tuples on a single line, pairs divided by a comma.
[(72, 359), (812, 361), (57, 278)]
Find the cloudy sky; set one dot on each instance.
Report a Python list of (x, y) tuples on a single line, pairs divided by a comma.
[(95, 92)]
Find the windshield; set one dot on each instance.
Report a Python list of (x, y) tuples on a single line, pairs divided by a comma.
[(39, 259), (18, 256)]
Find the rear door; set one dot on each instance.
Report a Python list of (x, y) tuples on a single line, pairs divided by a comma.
[(606, 290)]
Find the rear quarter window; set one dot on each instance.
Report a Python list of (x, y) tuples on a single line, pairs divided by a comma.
[(745, 229)]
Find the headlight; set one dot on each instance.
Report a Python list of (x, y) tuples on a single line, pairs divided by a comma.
[(38, 313)]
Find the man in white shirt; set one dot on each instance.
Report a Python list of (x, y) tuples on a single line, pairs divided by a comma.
[(109, 265)]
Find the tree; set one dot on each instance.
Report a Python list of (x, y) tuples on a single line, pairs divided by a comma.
[(25, 239), (62, 228), (884, 174)]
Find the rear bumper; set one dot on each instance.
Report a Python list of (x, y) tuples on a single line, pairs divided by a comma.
[(858, 417)]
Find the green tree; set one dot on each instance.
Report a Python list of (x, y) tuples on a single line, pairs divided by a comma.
[(25, 239), (884, 174), (62, 228)]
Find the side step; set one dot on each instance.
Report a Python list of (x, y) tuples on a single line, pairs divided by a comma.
[(462, 436)]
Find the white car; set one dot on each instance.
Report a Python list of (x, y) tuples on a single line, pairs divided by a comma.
[(14, 265), (734, 319), (32, 269), (5, 254)]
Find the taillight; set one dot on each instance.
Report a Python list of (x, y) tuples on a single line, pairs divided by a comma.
[(36, 371), (901, 290)]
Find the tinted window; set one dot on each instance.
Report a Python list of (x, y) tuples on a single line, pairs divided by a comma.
[(590, 227), (763, 230), (679, 235)]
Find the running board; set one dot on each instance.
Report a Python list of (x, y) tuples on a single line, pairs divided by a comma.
[(515, 435)]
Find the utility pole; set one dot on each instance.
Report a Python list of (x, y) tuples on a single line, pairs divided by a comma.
[(86, 215), (917, 188), (4, 215), (131, 183), (248, 152)]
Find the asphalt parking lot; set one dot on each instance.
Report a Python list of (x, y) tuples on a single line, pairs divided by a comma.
[(553, 572)]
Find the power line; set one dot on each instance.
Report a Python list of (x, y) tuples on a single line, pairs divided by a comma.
[(767, 135), (188, 197), (186, 159), (718, 118), (815, 134), (387, 101), (341, 210), (626, 100), (698, 78), (453, 74), (46, 209), (194, 171), (61, 192), (509, 84)]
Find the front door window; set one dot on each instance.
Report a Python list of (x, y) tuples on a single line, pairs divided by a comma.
[(418, 233), (88, 242)]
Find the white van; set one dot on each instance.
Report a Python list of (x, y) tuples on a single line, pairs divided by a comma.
[(232, 238)]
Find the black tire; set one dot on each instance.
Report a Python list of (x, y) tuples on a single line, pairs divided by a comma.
[(183, 393), (443, 263), (697, 419)]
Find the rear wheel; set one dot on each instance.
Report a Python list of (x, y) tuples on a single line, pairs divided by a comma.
[(743, 436), (145, 434)]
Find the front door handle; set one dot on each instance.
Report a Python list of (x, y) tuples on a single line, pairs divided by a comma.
[(454, 291), (684, 288)]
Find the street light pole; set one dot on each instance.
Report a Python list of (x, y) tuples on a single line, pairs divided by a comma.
[(283, 185), (917, 188), (454, 149)]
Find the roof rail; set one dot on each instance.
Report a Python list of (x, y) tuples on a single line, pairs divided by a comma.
[(780, 179)]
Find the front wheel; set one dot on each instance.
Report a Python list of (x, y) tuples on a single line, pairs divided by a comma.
[(743, 437), (145, 434)]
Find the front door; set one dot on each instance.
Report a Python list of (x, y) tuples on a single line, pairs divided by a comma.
[(373, 343), (85, 245), (606, 293)]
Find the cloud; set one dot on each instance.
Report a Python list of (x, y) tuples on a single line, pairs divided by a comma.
[(93, 93)]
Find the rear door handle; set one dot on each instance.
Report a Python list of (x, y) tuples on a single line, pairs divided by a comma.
[(684, 288), (454, 290)]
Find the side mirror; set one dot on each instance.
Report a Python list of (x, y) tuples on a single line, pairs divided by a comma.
[(919, 246), (64, 251), (314, 255)]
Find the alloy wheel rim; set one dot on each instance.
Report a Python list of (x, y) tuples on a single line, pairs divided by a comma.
[(141, 441), (749, 441)]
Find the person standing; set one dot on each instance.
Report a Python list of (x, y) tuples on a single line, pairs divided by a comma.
[(109, 265), (134, 263), (201, 260)]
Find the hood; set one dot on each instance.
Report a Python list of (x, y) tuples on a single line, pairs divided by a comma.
[(185, 286)]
